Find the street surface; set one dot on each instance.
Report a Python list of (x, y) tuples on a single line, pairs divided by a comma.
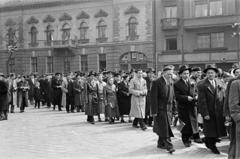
[(47, 134)]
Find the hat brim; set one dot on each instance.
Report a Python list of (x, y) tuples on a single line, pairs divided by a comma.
[(189, 69), (205, 70)]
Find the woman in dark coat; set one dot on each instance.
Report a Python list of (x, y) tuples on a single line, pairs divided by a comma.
[(37, 95), (110, 101), (78, 87), (91, 98), (47, 91), (3, 98), (57, 92), (124, 97), (23, 88)]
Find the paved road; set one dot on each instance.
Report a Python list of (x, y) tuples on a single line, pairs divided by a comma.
[(47, 134)]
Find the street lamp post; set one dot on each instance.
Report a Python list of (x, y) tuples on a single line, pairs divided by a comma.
[(236, 33)]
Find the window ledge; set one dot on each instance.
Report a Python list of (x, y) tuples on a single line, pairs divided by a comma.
[(211, 49), (33, 44), (83, 41), (132, 38), (171, 51), (101, 40)]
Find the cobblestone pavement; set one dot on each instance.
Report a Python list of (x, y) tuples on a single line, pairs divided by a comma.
[(47, 134)]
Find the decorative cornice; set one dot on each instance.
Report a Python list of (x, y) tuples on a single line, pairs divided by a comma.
[(83, 15), (132, 10), (48, 19), (45, 5), (101, 13), (32, 20), (65, 16)]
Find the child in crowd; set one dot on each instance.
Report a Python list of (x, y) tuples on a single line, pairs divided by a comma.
[(37, 95)]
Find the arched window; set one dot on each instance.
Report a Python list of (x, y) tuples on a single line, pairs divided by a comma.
[(10, 36), (83, 30), (66, 32), (33, 33), (102, 29), (132, 27), (49, 33)]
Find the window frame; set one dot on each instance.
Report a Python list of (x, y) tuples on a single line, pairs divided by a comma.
[(49, 33), (102, 29), (167, 45), (50, 62), (133, 25), (83, 31), (34, 64), (102, 61), (67, 64), (11, 36), (12, 65), (33, 34), (165, 11), (207, 2), (84, 63), (210, 40)]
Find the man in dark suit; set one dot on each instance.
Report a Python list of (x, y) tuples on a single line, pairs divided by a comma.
[(186, 104), (148, 114), (70, 93), (32, 82), (162, 105), (210, 103), (57, 91)]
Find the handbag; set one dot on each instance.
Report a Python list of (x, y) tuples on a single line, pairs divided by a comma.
[(181, 125)]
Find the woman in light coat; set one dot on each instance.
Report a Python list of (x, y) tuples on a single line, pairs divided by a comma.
[(64, 91), (138, 89)]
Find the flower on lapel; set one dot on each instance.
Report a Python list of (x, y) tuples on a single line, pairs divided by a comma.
[(192, 83), (220, 87)]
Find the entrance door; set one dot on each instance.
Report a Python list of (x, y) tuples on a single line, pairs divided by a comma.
[(124, 67), (140, 66)]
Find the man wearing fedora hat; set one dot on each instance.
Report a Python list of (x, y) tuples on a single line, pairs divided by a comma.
[(162, 106), (31, 82), (210, 103), (57, 91), (3, 98), (187, 108)]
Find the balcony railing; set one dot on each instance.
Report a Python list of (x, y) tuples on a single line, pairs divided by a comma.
[(83, 41), (32, 45), (101, 40), (60, 42), (170, 23), (132, 38)]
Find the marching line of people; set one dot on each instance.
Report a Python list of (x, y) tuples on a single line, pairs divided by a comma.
[(198, 99)]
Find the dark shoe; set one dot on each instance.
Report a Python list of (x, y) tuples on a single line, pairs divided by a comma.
[(136, 126), (150, 125), (68, 111), (206, 144), (1, 119), (218, 140), (199, 141), (111, 122), (12, 111), (215, 150), (83, 110), (122, 121), (92, 122), (99, 120), (117, 118), (21, 111), (72, 111), (5, 119), (130, 121), (171, 150), (60, 110), (187, 144), (144, 128), (161, 147), (106, 120)]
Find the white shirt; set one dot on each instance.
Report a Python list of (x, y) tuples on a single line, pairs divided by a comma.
[(212, 83)]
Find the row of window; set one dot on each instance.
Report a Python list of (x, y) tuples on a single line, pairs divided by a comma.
[(204, 41), (66, 64), (202, 8), (102, 31)]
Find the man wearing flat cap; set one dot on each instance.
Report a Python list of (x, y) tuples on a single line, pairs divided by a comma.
[(187, 107), (3, 98), (162, 106), (210, 104)]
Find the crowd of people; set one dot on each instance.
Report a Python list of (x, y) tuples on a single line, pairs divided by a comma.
[(198, 99)]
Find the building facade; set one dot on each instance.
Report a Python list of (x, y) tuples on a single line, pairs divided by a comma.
[(197, 32), (62, 36)]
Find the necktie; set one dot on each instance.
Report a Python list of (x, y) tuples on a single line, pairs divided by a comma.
[(213, 84)]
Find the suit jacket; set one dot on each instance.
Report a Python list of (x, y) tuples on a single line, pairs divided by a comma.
[(210, 102), (162, 104), (187, 110)]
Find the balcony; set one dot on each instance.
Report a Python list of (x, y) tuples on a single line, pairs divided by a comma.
[(101, 40), (60, 42), (33, 45), (83, 41), (132, 38), (210, 21), (170, 23)]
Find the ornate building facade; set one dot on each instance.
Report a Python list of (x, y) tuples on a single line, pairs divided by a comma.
[(85, 35)]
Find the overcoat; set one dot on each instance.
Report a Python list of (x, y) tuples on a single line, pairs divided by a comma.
[(187, 110), (91, 98), (100, 102), (37, 94), (210, 102), (138, 102), (148, 98), (47, 91), (3, 95), (162, 104), (22, 93), (234, 112), (110, 101), (31, 88), (78, 87), (57, 92), (64, 92), (13, 91), (124, 98)]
